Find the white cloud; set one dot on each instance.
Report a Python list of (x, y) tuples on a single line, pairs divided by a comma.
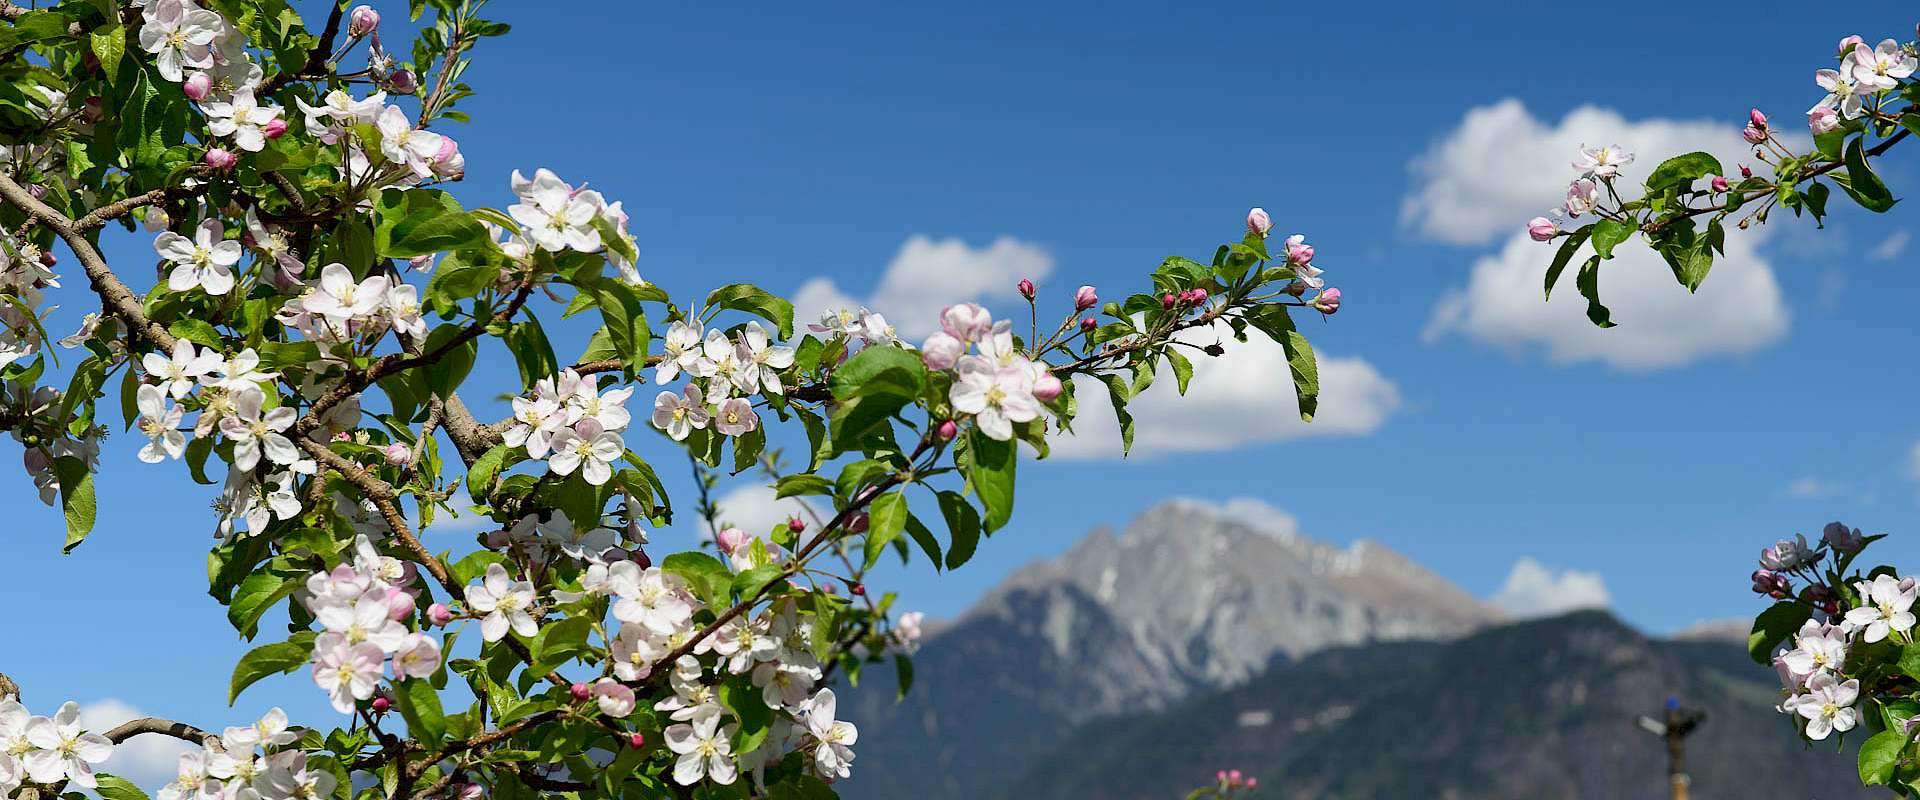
[(754, 509), (1892, 247), (928, 275), (1533, 590), (1811, 488), (1501, 166), (1242, 398), (1739, 309), (149, 760)]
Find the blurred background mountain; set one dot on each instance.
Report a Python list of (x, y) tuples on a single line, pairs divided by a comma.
[(1135, 665)]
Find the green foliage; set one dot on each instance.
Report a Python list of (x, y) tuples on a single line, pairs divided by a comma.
[(419, 222)]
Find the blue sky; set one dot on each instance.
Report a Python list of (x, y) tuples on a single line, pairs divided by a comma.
[(786, 144)]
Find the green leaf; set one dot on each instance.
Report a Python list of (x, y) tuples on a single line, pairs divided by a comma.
[(418, 222), (754, 300), (559, 642), (903, 671), (420, 706), (1608, 234), (259, 592), (1560, 259), (1879, 755), (1862, 184), (1773, 626), (114, 787), (531, 350), (76, 498), (871, 387), (705, 575), (1910, 660), (886, 518), (750, 583), (109, 44), (1277, 324), (270, 659), (1682, 170), (485, 468), (963, 529), (446, 374), (1589, 285), (807, 483), (924, 538), (990, 470), (1182, 369)]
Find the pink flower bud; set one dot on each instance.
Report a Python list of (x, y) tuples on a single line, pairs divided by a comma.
[(796, 525), (397, 454), (1233, 775), (362, 21), (1848, 43), (275, 128), (1253, 782), (1258, 223), (470, 791), (1046, 388), (730, 539), (1088, 324), (637, 741), (1026, 288), (221, 158), (38, 190), (400, 603), (381, 704), (1542, 229), (857, 589), (1220, 776), (197, 86), (1328, 302), (580, 691), (1085, 298), (640, 558), (1300, 254), (421, 263), (614, 699), (1167, 300), (1719, 183), (1757, 118), (1822, 120), (1754, 135), (403, 81), (1746, 171), (48, 259), (966, 321), (941, 351), (343, 436), (439, 614), (948, 430), (1198, 296)]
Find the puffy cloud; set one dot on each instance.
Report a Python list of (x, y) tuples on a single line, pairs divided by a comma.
[(1533, 590), (1242, 398), (1739, 309), (754, 509), (149, 761), (1501, 166), (1811, 488), (928, 275)]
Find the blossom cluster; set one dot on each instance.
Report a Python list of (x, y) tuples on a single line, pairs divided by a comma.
[(998, 385), (250, 762), (568, 422), (47, 750), (362, 606), (1865, 75), (556, 216)]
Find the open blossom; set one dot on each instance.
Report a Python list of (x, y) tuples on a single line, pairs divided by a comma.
[(996, 396), (180, 35), (719, 360), (160, 422), (346, 672), (288, 776), (177, 373), (340, 299), (609, 409), (205, 261), (761, 360), (338, 111), (679, 414), (535, 421), (1841, 538), (735, 417), (1886, 607), (400, 308), (941, 351), (1300, 259), (417, 657), (1883, 66), (505, 602), (254, 432), (1817, 647), (705, 751), (365, 620), (834, 757), (587, 447), (553, 215), (682, 351), (613, 699), (649, 598), (401, 143), (1843, 94), (1787, 554), (64, 751), (1602, 162), (1582, 196), (1828, 705), (242, 118)]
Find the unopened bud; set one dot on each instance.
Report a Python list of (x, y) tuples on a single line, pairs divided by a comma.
[(1085, 298), (275, 128), (1541, 229), (470, 791), (858, 589), (48, 259), (397, 454), (1753, 134), (796, 525), (362, 21), (1046, 388), (580, 692), (1328, 302), (439, 614), (221, 158), (640, 558), (1167, 300), (1258, 223), (1746, 171), (1026, 288), (858, 524), (1088, 324), (1719, 183), (948, 429), (637, 740), (730, 539), (1198, 296), (197, 86), (403, 81), (381, 704), (38, 190)]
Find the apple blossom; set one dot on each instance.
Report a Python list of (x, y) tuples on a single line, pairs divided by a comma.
[(705, 751), (205, 261), (996, 396), (1841, 538), (1258, 223), (254, 432), (941, 350), (735, 417), (679, 414), (1843, 94), (1542, 229), (362, 20), (506, 604), (1602, 162), (402, 143), (1787, 554), (160, 422), (244, 119), (552, 215), (1084, 298), (587, 447), (180, 35), (761, 360), (417, 657), (834, 757), (681, 348), (1327, 302), (1882, 67), (63, 749), (1828, 705), (967, 322), (613, 699), (1886, 608), (197, 86)]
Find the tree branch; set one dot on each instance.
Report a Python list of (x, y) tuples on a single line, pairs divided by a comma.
[(177, 730), (115, 295)]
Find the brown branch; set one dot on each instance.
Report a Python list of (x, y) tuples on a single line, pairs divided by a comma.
[(113, 293), (386, 500), (1872, 152), (177, 730), (316, 58)]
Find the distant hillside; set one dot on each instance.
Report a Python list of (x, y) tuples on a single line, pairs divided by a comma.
[(1541, 709), (1186, 601)]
